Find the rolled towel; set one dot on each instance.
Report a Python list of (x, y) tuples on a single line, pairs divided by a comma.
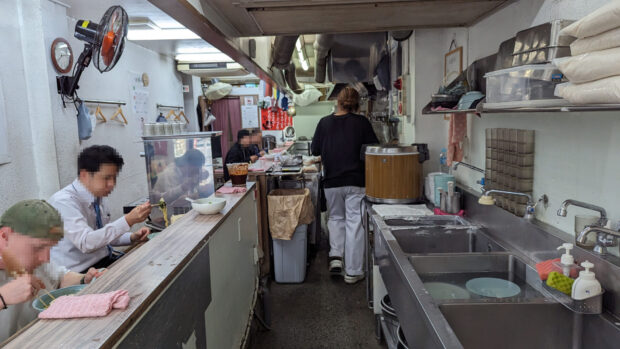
[(90, 305)]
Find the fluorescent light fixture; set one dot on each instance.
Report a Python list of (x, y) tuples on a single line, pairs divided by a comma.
[(304, 65), (206, 49), (203, 58), (298, 44), (162, 34)]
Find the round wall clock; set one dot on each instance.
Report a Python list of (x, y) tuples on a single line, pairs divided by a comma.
[(62, 55)]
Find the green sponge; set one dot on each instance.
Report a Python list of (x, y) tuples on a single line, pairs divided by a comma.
[(560, 282)]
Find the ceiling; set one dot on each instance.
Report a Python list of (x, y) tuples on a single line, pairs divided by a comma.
[(141, 9), (279, 17)]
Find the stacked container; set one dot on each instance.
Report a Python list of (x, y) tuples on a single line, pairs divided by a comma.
[(510, 166)]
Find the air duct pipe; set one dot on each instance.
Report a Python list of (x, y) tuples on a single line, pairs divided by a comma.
[(322, 45), (283, 48)]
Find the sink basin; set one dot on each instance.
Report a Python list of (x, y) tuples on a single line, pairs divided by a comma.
[(510, 325), (441, 239), (459, 269), (426, 221)]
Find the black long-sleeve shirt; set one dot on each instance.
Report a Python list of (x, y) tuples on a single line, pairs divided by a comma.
[(339, 140), (236, 154)]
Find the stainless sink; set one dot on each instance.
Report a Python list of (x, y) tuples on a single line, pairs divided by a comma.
[(510, 325), (426, 221), (441, 239), (458, 269)]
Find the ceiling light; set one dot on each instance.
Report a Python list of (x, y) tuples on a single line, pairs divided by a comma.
[(163, 34), (202, 58), (304, 65), (298, 44), (195, 49)]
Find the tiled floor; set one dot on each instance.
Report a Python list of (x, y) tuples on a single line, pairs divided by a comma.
[(322, 312)]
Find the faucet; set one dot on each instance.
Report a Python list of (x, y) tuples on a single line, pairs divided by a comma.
[(563, 209), (456, 164), (486, 199), (604, 238)]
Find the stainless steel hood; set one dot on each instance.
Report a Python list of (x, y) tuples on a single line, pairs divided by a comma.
[(229, 24)]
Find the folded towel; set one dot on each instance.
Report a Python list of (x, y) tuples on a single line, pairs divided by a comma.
[(90, 305), (231, 190)]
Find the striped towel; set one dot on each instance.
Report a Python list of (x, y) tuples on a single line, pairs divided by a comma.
[(90, 305)]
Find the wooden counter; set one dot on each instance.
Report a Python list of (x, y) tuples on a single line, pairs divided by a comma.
[(196, 281)]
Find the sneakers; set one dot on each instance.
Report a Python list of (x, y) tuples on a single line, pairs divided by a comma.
[(351, 279), (335, 265)]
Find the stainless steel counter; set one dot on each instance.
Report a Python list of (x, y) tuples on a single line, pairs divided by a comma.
[(491, 240)]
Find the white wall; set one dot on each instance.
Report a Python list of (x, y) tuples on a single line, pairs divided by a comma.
[(43, 135), (31, 163), (576, 153), (308, 117)]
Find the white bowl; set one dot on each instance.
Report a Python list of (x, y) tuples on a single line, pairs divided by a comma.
[(210, 205)]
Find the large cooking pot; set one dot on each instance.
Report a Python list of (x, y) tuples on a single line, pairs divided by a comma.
[(394, 173)]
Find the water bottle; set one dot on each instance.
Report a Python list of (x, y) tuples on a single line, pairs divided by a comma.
[(443, 160)]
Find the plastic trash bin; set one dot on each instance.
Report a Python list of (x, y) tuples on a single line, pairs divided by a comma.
[(289, 257)]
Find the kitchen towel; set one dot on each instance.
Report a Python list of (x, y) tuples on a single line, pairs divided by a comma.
[(456, 136), (231, 190), (90, 305)]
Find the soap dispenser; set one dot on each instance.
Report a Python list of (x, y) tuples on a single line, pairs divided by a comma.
[(567, 261), (586, 285)]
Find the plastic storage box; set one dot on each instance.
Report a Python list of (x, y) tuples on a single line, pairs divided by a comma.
[(289, 257), (525, 83)]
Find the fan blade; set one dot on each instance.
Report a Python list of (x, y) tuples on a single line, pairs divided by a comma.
[(108, 48)]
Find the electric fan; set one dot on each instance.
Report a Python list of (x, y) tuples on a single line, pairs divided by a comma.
[(104, 43)]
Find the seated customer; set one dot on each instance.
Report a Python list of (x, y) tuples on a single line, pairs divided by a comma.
[(256, 138), (89, 232), (27, 231), (240, 152), (181, 179)]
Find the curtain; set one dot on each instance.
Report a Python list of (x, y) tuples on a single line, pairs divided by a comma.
[(227, 112)]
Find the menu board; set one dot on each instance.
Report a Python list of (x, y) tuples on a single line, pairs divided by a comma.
[(275, 121)]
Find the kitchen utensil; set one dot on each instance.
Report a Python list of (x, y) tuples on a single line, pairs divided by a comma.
[(210, 205), (443, 199), (453, 203), (444, 101), (393, 174), (493, 287), (542, 36), (450, 189)]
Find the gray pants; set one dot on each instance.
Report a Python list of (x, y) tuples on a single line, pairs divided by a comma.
[(346, 236)]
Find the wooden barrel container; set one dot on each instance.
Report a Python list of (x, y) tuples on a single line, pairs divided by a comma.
[(393, 174)]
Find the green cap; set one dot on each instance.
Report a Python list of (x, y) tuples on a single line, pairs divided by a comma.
[(35, 218)]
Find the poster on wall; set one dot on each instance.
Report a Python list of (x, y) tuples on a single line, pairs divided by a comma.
[(275, 121), (139, 96), (249, 112)]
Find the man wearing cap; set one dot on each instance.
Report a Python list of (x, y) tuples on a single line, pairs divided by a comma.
[(89, 231), (28, 230)]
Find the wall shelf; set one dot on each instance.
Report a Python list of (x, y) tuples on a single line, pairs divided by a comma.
[(555, 109)]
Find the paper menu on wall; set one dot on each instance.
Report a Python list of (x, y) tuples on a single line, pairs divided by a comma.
[(139, 97), (249, 116)]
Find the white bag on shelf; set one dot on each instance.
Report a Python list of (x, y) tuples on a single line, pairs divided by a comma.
[(597, 22), (603, 41), (590, 66), (604, 91)]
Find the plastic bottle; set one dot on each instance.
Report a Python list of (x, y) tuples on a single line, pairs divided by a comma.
[(586, 285), (567, 261), (443, 160)]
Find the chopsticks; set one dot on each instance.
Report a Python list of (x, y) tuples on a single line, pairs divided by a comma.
[(16, 270)]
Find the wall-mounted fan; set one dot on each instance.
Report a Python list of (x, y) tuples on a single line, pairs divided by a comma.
[(104, 43)]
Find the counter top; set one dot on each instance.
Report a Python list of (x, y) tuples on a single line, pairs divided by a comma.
[(145, 273)]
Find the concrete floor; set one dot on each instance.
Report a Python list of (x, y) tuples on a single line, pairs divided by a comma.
[(322, 312)]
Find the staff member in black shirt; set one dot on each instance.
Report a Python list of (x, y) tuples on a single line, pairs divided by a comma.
[(240, 152), (338, 139)]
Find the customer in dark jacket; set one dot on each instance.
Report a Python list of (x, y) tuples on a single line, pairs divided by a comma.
[(240, 152), (338, 139)]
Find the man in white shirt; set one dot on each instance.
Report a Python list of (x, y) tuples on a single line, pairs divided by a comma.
[(27, 231), (89, 232)]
